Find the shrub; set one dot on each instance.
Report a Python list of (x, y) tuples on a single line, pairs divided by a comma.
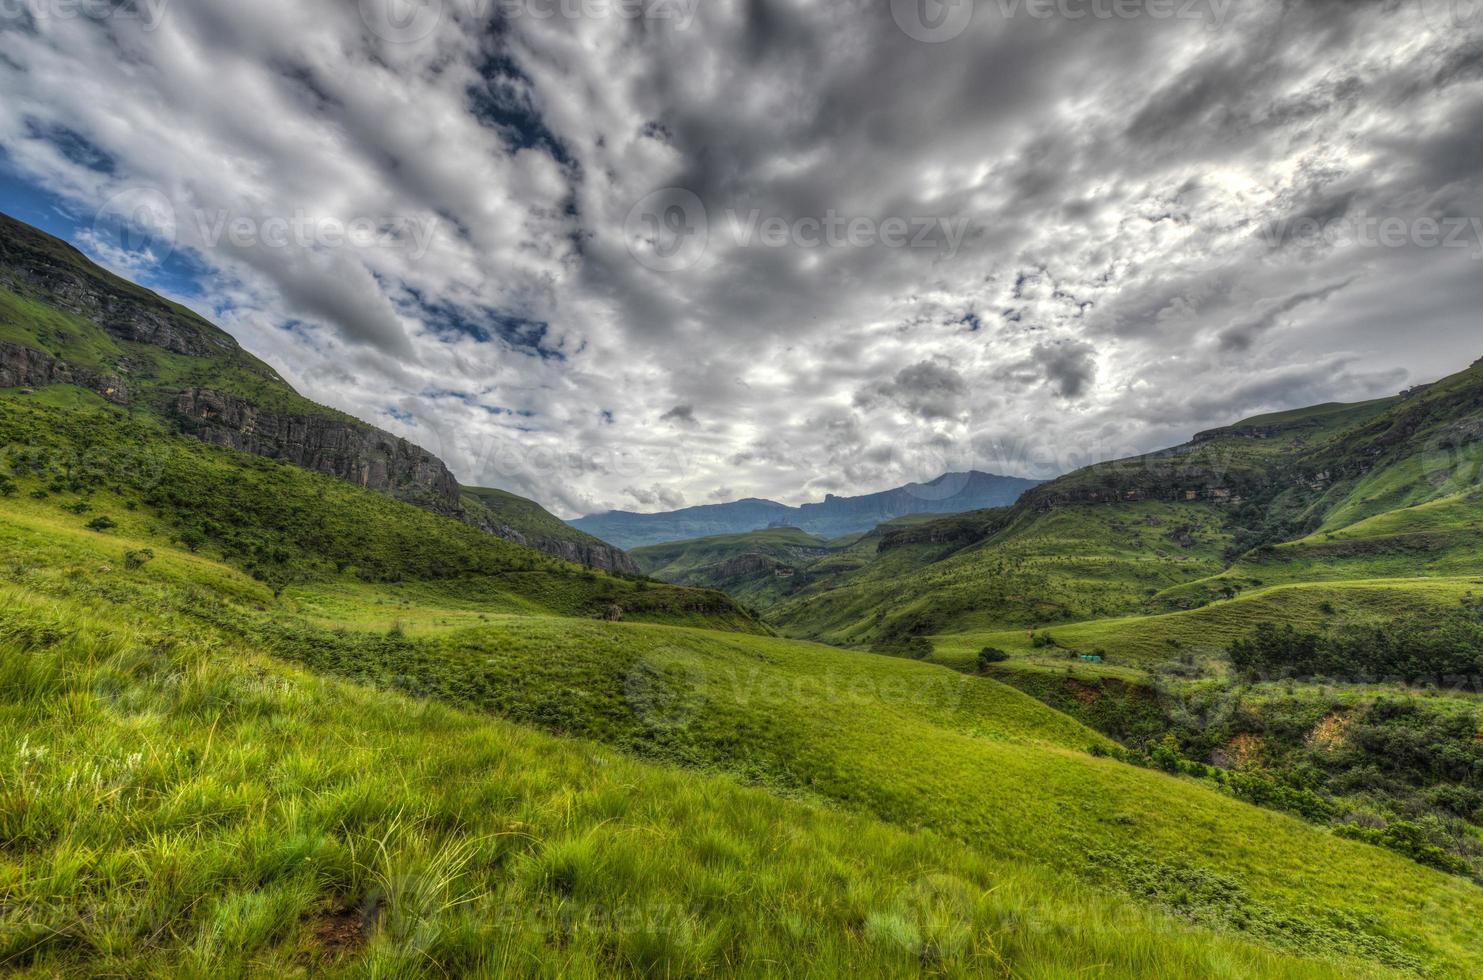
[(102, 523), (1166, 754), (1408, 839), (989, 655), (138, 559)]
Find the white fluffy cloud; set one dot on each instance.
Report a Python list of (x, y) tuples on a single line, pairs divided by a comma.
[(1041, 242)]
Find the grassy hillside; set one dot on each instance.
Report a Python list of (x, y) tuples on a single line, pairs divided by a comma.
[(178, 803), (1382, 490), (1206, 632), (73, 330), (527, 522), (526, 515), (242, 811), (284, 525), (1030, 567)]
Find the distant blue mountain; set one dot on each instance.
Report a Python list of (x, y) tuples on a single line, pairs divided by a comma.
[(951, 493)]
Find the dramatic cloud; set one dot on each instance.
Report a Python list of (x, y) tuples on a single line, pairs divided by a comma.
[(775, 248), (930, 389), (1069, 366)]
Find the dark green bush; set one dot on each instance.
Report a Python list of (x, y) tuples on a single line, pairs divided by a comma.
[(989, 655)]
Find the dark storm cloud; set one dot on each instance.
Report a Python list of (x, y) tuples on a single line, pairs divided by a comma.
[(1069, 367), (1132, 193), (1242, 335), (680, 414), (928, 389)]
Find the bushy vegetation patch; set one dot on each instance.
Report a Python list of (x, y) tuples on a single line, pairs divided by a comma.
[(1445, 649)]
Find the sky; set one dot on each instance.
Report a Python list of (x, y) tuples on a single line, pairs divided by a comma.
[(642, 254)]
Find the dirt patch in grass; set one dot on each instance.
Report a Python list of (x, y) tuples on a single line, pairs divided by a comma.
[(339, 932)]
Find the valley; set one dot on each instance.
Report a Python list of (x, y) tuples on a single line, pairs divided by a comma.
[(333, 713)]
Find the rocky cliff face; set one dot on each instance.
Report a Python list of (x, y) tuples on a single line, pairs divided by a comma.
[(26, 367), (353, 452), (958, 531), (35, 264), (594, 555)]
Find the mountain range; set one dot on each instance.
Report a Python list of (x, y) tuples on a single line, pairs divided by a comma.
[(835, 516)]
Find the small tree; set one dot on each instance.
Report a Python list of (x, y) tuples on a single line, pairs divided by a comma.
[(989, 655), (1166, 754), (102, 523)]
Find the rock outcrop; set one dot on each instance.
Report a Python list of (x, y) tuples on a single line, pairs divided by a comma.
[(747, 566), (26, 367), (352, 451), (33, 263), (956, 531), (594, 554)]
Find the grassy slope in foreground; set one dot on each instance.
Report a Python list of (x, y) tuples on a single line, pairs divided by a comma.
[(919, 747), (175, 804)]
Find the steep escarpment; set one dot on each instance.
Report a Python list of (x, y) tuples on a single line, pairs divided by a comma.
[(834, 517), (951, 493), (356, 453), (66, 321), (593, 553), (34, 264)]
